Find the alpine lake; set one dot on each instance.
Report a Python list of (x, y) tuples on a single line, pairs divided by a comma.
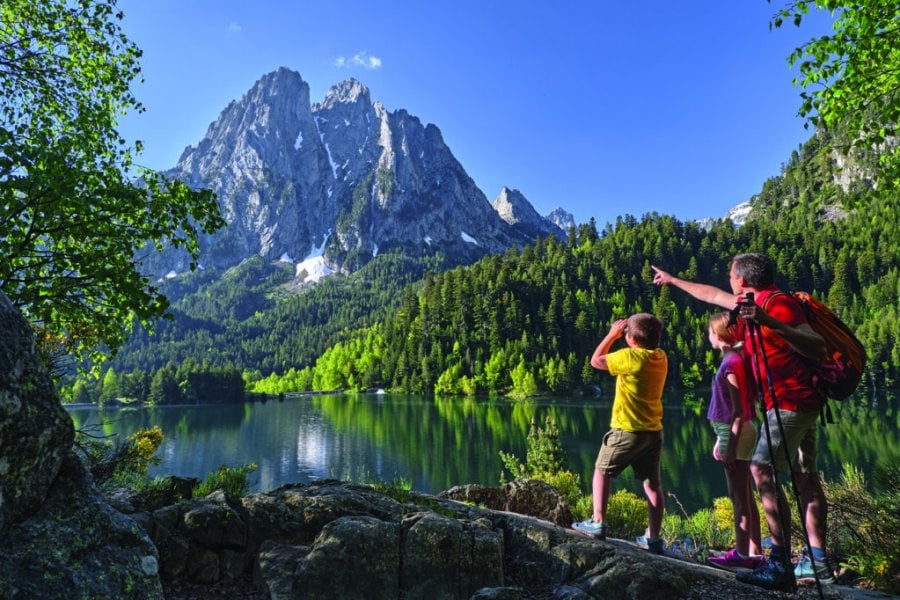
[(436, 443)]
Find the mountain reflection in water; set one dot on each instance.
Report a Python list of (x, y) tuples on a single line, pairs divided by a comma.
[(436, 443)]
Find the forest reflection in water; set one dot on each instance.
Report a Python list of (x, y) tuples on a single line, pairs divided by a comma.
[(437, 443)]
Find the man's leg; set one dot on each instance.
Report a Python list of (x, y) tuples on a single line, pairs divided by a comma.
[(812, 496), (774, 503)]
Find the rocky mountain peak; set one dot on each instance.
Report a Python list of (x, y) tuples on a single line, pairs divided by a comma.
[(343, 180), (561, 218), (349, 91), (513, 208)]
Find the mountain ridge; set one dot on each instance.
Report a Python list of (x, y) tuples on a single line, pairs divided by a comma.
[(340, 180)]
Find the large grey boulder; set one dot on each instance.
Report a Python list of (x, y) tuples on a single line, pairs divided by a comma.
[(523, 496), (59, 538), (333, 539), (35, 431)]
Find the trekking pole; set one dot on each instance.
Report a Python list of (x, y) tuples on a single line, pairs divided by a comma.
[(785, 558), (756, 341)]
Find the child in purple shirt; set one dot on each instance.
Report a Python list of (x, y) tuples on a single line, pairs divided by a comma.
[(731, 412)]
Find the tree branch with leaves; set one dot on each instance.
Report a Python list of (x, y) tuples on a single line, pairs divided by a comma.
[(74, 210), (851, 78)]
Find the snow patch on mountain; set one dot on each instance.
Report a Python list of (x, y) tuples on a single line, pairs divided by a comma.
[(468, 238), (313, 269)]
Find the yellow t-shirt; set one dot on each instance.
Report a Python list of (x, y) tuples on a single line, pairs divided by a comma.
[(640, 377)]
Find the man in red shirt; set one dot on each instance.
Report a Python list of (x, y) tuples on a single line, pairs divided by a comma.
[(788, 344)]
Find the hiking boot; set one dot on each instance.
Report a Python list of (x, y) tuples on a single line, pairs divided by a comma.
[(769, 574), (734, 560), (592, 529), (654, 545), (804, 570)]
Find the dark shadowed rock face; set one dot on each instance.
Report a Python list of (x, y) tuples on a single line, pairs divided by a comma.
[(35, 431), (58, 537)]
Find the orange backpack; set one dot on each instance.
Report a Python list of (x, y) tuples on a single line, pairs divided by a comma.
[(839, 374)]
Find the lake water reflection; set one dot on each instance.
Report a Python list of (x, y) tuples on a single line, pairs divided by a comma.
[(437, 443)]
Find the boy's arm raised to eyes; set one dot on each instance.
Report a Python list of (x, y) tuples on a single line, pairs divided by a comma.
[(598, 360), (701, 291)]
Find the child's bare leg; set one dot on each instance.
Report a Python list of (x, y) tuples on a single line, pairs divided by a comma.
[(756, 548), (746, 535), (600, 487), (656, 506)]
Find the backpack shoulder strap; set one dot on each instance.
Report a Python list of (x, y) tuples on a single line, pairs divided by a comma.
[(774, 294)]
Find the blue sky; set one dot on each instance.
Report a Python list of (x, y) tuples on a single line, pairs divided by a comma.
[(602, 108)]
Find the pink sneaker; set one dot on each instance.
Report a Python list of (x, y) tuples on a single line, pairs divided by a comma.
[(733, 560)]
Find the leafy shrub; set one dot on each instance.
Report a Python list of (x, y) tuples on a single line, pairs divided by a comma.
[(121, 462), (704, 528), (545, 460), (674, 528), (626, 514), (234, 481), (583, 508), (568, 484), (544, 455), (863, 525), (723, 512)]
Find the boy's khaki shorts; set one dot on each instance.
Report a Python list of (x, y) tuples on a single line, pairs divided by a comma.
[(639, 450)]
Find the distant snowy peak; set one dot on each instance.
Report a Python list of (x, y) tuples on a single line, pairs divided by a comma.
[(561, 218), (738, 215)]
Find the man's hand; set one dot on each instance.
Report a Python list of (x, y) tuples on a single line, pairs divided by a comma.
[(750, 311), (660, 277)]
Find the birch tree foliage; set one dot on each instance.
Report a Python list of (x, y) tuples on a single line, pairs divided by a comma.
[(75, 212), (851, 78)]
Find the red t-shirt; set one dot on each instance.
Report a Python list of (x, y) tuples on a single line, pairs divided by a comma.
[(791, 375)]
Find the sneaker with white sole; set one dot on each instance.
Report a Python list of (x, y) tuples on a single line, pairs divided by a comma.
[(804, 570), (591, 528), (654, 545)]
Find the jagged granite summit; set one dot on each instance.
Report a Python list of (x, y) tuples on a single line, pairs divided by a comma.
[(516, 210), (336, 182)]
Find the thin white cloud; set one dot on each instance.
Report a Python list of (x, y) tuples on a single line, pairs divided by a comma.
[(234, 27), (360, 59)]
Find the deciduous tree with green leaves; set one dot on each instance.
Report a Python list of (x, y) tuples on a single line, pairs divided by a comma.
[(75, 212), (851, 78)]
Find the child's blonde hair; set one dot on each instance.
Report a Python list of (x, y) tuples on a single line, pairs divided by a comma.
[(731, 334)]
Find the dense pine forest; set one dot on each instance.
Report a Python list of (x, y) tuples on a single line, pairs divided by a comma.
[(526, 322)]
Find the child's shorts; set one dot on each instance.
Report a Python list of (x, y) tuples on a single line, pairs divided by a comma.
[(639, 450), (746, 442)]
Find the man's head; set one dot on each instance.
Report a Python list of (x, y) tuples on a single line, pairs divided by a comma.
[(645, 330), (751, 272)]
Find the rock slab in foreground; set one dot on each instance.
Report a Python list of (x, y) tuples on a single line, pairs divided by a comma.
[(333, 539)]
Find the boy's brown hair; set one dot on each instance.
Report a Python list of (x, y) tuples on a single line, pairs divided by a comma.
[(645, 329)]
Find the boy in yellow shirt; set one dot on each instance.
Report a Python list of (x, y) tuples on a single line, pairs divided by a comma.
[(635, 438)]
